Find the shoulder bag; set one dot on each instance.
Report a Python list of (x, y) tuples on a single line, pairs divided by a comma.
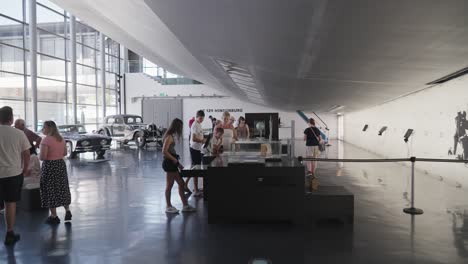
[(321, 143)]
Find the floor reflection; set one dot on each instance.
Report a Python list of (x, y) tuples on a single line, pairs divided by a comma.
[(118, 217)]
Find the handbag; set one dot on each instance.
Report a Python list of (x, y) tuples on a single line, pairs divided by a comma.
[(321, 143)]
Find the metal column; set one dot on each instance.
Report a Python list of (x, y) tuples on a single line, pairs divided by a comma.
[(73, 68), (33, 61), (102, 63)]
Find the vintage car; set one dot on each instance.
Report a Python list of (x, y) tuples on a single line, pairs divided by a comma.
[(79, 141), (125, 128)]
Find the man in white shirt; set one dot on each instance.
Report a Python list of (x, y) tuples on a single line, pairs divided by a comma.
[(196, 144), (14, 163)]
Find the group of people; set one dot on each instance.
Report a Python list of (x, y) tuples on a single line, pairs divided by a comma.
[(223, 134), (17, 145)]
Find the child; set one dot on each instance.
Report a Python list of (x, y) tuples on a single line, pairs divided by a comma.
[(216, 144)]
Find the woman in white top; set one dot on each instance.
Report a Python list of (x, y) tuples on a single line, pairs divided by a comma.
[(230, 134)]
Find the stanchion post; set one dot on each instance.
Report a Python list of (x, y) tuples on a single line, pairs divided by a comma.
[(412, 210)]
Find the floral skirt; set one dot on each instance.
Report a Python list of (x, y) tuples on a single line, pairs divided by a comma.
[(55, 191)]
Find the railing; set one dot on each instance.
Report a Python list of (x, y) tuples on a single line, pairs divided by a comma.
[(158, 73), (411, 210)]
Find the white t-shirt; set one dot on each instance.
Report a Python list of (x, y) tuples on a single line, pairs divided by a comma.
[(197, 130), (12, 144)]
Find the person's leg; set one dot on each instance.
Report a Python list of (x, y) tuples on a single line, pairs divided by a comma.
[(11, 193), (309, 155), (187, 183), (68, 214), (316, 153), (10, 215), (53, 212), (169, 184), (193, 157), (197, 161), (195, 184), (180, 184)]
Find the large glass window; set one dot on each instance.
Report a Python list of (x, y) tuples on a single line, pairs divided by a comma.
[(50, 5), (11, 59), (86, 55), (86, 94), (50, 67), (85, 75), (51, 44), (50, 91), (11, 32), (51, 111), (11, 86), (87, 114), (12, 8), (18, 107), (53, 65), (49, 19), (111, 97)]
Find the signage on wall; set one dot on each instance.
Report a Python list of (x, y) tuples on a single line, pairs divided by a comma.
[(220, 110)]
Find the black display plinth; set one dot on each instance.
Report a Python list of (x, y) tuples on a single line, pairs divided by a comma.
[(252, 194), (329, 202)]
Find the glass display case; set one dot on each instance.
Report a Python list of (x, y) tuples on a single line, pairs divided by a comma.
[(262, 148)]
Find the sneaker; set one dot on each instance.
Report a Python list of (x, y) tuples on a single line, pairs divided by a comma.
[(172, 210), (68, 216), (11, 238), (188, 208), (53, 220)]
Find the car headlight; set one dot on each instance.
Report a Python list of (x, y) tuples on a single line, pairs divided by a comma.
[(103, 142), (84, 143)]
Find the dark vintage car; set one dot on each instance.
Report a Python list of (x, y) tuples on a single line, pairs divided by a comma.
[(125, 128), (79, 141)]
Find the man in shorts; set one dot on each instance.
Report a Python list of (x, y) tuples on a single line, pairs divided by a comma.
[(196, 144), (14, 162)]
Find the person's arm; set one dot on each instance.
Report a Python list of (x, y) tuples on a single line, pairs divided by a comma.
[(248, 131), (44, 151), (217, 147), (26, 156), (65, 150), (38, 140), (197, 136), (305, 135)]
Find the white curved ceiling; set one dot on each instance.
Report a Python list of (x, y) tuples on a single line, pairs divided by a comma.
[(302, 54)]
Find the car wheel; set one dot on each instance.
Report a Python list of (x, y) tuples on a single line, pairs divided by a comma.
[(70, 153), (140, 140), (100, 154)]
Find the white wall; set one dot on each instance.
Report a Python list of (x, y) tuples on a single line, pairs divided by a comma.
[(431, 113), (138, 84)]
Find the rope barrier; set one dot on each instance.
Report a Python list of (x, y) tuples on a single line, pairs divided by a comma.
[(411, 210)]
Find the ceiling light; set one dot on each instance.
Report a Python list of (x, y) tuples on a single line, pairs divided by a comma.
[(335, 108), (243, 79)]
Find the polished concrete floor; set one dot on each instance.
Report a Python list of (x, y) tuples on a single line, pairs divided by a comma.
[(118, 217)]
